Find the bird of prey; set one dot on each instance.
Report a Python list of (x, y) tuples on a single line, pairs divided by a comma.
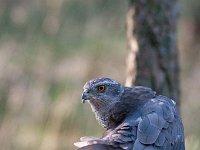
[(134, 118)]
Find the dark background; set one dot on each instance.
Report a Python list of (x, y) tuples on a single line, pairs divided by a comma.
[(49, 49)]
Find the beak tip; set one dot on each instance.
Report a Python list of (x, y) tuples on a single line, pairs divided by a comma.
[(83, 101), (84, 97)]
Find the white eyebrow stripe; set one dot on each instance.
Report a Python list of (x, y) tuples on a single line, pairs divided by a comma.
[(107, 82), (98, 81)]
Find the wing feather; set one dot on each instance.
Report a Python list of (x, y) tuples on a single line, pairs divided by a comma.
[(160, 126)]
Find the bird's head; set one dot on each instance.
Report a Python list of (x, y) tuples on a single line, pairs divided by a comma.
[(102, 91)]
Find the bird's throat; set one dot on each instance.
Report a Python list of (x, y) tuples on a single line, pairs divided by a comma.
[(102, 112), (97, 106)]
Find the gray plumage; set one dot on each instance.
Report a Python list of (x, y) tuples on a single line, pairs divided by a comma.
[(134, 118)]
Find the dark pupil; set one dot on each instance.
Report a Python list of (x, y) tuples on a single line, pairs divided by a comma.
[(101, 88)]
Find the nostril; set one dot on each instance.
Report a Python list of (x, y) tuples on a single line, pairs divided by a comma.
[(87, 91)]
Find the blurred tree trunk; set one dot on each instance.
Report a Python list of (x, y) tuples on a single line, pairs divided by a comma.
[(153, 57)]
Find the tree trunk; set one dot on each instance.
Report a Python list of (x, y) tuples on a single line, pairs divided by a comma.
[(153, 57)]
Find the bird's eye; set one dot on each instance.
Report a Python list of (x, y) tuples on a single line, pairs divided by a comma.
[(101, 88)]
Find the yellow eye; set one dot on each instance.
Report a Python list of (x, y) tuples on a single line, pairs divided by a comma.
[(101, 88)]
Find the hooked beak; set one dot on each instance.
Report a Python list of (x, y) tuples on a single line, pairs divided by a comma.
[(85, 96)]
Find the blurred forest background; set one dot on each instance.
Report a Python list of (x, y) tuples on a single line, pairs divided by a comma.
[(50, 48)]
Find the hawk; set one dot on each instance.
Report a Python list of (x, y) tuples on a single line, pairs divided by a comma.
[(134, 118)]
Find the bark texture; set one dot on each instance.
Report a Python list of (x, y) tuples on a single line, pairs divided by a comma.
[(153, 57)]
